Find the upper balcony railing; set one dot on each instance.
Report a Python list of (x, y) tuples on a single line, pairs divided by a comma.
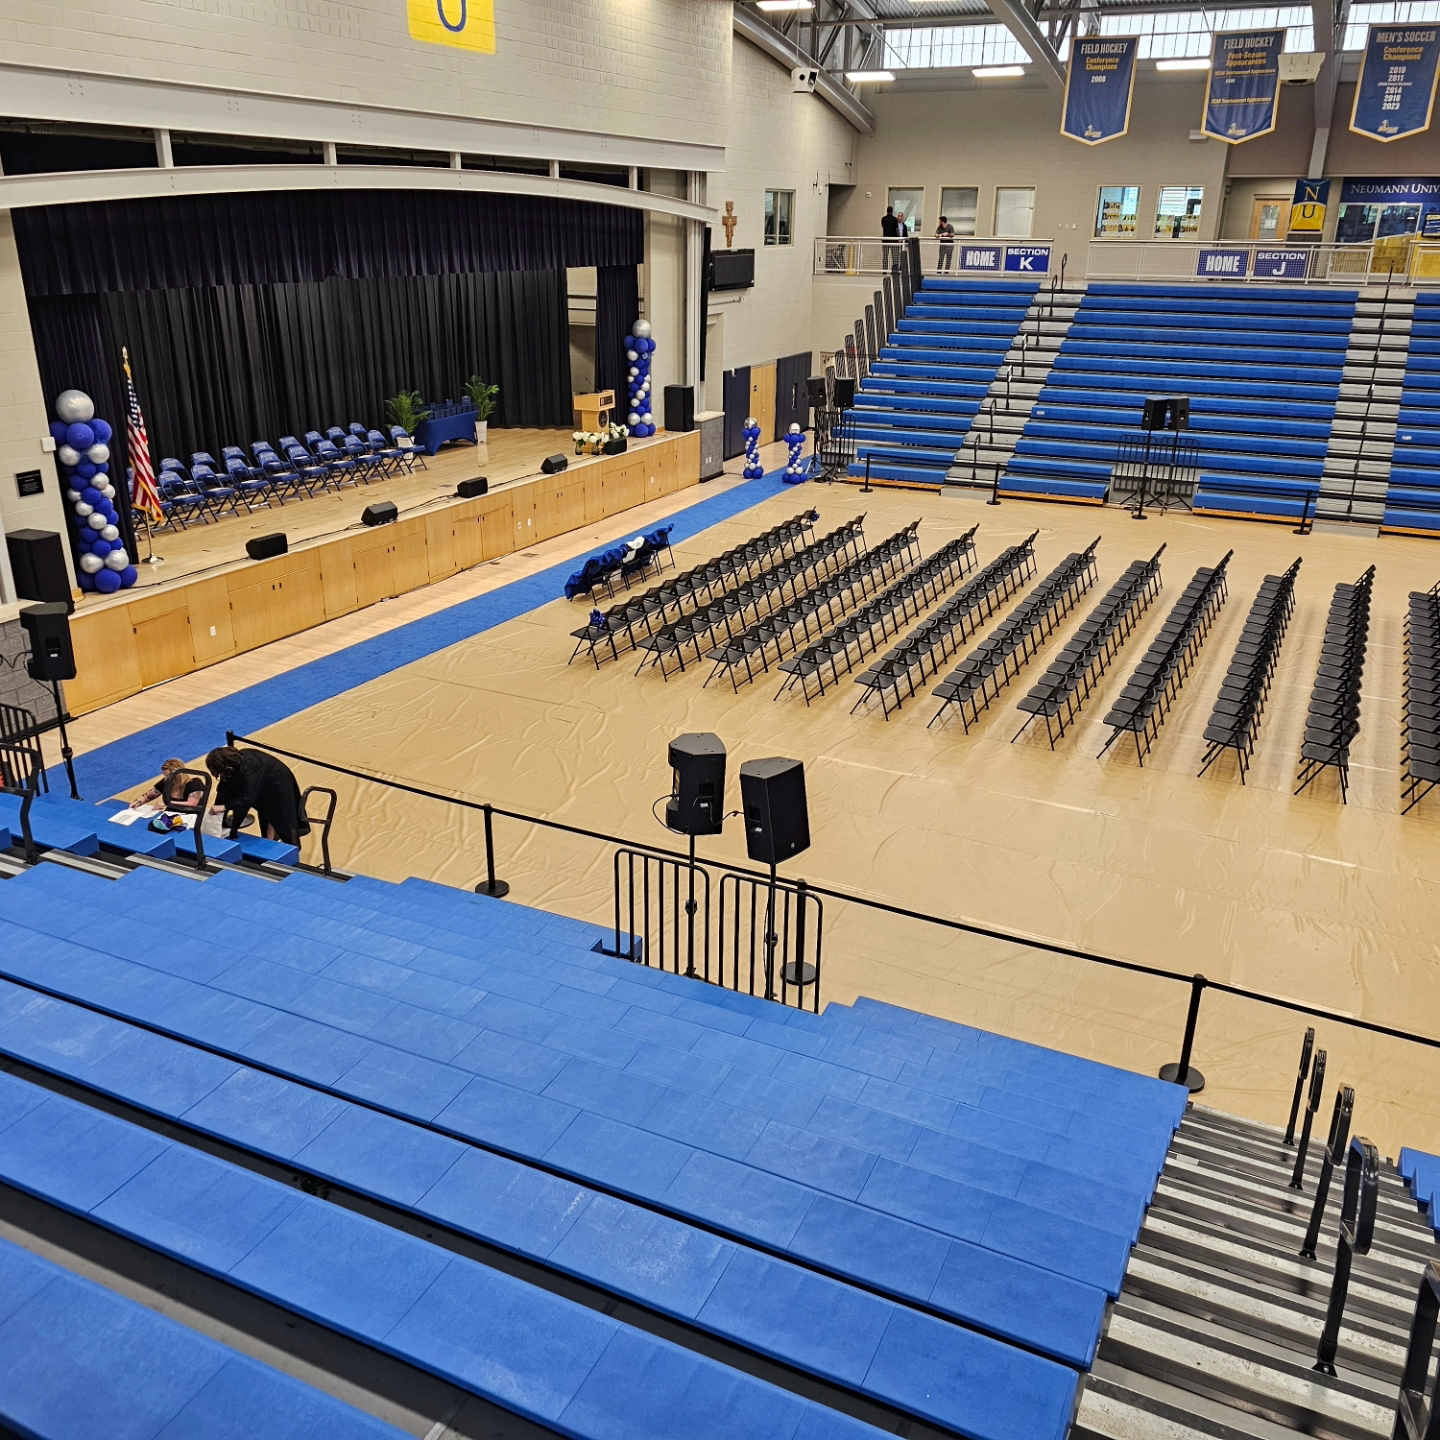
[(1404, 260)]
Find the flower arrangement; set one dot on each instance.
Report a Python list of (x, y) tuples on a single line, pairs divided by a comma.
[(593, 442)]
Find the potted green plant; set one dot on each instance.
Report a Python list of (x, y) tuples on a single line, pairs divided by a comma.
[(483, 396), (406, 410)]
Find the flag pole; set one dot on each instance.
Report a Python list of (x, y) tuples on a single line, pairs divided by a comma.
[(151, 558)]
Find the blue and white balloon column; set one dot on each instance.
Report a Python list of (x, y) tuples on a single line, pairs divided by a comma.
[(639, 347), (83, 450), (796, 469), (754, 470)]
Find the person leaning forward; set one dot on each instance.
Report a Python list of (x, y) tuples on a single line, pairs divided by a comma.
[(253, 780)]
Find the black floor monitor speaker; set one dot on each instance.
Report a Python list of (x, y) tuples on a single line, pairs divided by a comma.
[(554, 464), (844, 392), (48, 628), (469, 489), (266, 547), (38, 563), (697, 797), (777, 823), (383, 512), (1166, 412), (679, 408)]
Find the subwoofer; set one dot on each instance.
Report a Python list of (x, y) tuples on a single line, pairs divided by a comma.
[(554, 464), (469, 489), (37, 561), (777, 822), (48, 629), (266, 547), (383, 512), (679, 408), (697, 798)]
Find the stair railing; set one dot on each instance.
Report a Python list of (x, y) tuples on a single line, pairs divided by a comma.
[(1415, 1415), (1317, 1090), (1357, 1230), (1306, 1050), (1334, 1155), (324, 820), (172, 790)]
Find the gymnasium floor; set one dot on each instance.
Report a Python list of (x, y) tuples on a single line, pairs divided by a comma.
[(1297, 897)]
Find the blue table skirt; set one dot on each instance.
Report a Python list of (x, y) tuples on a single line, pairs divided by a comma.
[(430, 435)]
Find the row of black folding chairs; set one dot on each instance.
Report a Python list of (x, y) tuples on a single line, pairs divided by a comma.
[(809, 616), (980, 677), (921, 653), (1141, 707), (1059, 694), (1420, 748), (750, 603), (838, 650), (1235, 719), (1333, 720), (621, 626)]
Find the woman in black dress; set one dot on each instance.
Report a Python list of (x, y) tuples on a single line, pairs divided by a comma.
[(253, 780)]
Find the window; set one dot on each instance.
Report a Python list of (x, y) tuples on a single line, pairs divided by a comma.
[(1117, 212), (909, 206), (1177, 34), (959, 204), (779, 217), (1177, 216), (1014, 212), (947, 47), (1389, 12)]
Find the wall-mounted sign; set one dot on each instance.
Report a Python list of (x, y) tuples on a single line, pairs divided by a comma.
[(1098, 88), (1395, 94), (468, 24), (1027, 259), (29, 482), (1223, 263), (1282, 264), (1307, 209), (1241, 101), (982, 257)]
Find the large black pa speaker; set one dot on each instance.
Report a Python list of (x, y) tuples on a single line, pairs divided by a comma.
[(266, 547), (1166, 412), (37, 561), (382, 512), (554, 464), (815, 392), (48, 627), (679, 408), (844, 392), (469, 489), (1179, 412), (777, 823), (697, 798)]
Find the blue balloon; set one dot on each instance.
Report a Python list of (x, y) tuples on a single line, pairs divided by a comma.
[(107, 582), (128, 576), (80, 435), (102, 430), (86, 470), (100, 547), (91, 496), (103, 468), (86, 582), (57, 431)]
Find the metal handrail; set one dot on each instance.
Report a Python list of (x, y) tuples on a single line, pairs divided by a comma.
[(167, 796), (1335, 1148), (1198, 983), (1306, 1050), (1357, 1230), (1317, 1091), (1415, 1415)]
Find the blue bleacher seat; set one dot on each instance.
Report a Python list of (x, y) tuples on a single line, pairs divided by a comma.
[(1412, 501)]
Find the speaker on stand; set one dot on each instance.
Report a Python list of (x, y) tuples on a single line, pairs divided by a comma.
[(52, 659), (777, 827), (696, 807)]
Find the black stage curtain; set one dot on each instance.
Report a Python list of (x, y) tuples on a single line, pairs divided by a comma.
[(291, 238), (229, 364), (617, 306)]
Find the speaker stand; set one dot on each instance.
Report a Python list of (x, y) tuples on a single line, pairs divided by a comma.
[(771, 938), (66, 753), (690, 916)]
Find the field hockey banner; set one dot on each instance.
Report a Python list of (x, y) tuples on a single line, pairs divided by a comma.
[(1396, 92), (1243, 97), (1098, 88)]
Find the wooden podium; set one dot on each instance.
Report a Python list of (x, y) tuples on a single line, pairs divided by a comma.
[(593, 412)]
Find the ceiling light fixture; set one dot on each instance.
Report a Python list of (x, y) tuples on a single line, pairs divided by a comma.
[(997, 72), (869, 77), (785, 4), (1194, 62)]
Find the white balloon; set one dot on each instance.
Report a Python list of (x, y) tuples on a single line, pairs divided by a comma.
[(107, 490), (74, 407), (640, 330), (647, 418), (96, 521), (99, 452), (91, 563), (68, 455), (633, 418), (751, 422), (633, 373), (72, 496), (82, 509), (117, 560), (794, 430), (110, 532)]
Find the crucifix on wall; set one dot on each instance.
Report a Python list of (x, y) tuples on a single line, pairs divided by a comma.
[(729, 220)]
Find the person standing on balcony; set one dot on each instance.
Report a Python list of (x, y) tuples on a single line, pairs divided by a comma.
[(891, 229), (945, 234)]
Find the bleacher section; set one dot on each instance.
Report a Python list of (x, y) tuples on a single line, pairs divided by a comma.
[(1261, 364), (913, 409), (1412, 503), (1422, 1173), (901, 1207)]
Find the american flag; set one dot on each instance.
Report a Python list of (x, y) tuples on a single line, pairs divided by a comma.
[(144, 497)]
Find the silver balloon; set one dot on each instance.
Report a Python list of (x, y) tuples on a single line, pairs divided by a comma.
[(107, 490), (91, 563), (110, 532), (83, 510), (99, 453), (72, 496), (96, 521), (751, 422), (74, 407), (117, 559), (794, 430), (68, 455), (640, 330), (647, 418)]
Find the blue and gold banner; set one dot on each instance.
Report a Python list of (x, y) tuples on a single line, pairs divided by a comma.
[(1396, 92), (1243, 97), (1098, 88), (1307, 209)]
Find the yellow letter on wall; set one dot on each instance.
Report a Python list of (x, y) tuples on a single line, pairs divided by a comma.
[(470, 24)]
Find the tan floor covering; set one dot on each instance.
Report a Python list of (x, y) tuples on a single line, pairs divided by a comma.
[(1297, 897)]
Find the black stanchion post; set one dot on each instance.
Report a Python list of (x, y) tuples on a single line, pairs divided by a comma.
[(1304, 526), (865, 488), (496, 889), (1317, 1090), (1305, 1052), (1185, 1073)]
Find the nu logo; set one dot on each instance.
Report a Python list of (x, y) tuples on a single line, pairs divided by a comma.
[(470, 24)]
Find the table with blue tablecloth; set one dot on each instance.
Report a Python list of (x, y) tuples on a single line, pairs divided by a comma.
[(439, 429)]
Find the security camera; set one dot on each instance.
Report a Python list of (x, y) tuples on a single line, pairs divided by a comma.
[(803, 79)]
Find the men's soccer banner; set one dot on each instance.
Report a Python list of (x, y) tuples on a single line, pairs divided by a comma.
[(1242, 99), (1395, 96), (1098, 88)]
